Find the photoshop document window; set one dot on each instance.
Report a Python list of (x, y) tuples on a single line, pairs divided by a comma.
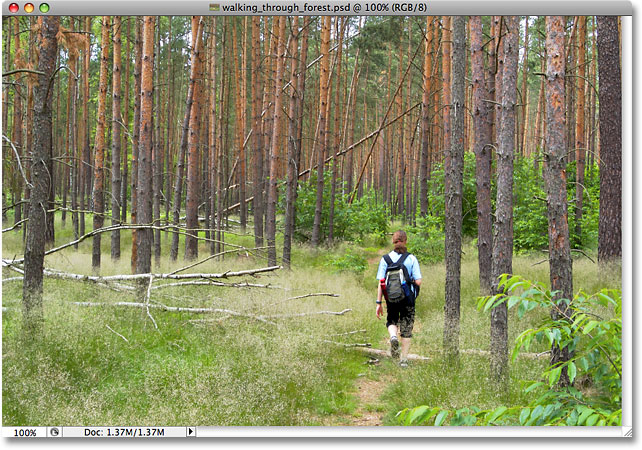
[(316, 219)]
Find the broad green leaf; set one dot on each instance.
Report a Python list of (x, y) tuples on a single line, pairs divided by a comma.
[(572, 371), (589, 326), (523, 416), (521, 310), (583, 363), (592, 420), (497, 414), (554, 376), (440, 418), (584, 415), (417, 413), (539, 409), (534, 386), (512, 301)]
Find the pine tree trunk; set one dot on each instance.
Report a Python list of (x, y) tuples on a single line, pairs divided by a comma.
[(257, 133), (482, 144), (125, 144), (580, 139), (35, 242), (192, 195), (115, 142), (197, 29), (272, 183), (17, 125), (503, 238), (212, 133), (157, 153), (561, 265), (425, 121), (144, 186), (293, 150), (453, 197), (99, 158), (136, 138), (323, 101), (610, 79)]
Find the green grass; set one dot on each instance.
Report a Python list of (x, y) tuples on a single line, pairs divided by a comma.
[(236, 370)]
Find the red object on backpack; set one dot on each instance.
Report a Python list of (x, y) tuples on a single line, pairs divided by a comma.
[(382, 283)]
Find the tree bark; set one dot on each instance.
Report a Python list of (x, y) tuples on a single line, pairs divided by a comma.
[(610, 79), (144, 187), (115, 142), (580, 139), (323, 101), (561, 265), (425, 121), (178, 184), (276, 135), (192, 195), (99, 158), (35, 242), (136, 138), (482, 144), (503, 237), (454, 188)]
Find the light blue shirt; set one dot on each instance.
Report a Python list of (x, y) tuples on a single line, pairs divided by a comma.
[(411, 264)]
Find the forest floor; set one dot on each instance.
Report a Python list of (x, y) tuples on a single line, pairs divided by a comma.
[(111, 365)]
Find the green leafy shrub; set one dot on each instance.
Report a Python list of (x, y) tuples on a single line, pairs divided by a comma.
[(352, 222), (595, 343), (349, 262), (426, 240)]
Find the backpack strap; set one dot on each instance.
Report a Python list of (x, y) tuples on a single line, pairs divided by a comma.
[(387, 259)]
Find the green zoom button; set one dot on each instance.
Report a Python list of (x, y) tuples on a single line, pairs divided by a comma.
[(44, 8)]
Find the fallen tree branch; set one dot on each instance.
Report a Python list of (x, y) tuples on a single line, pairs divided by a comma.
[(144, 276), (215, 283), (117, 333), (174, 309), (110, 228), (331, 313), (347, 334), (214, 256), (147, 296), (386, 353), (320, 294), (362, 345)]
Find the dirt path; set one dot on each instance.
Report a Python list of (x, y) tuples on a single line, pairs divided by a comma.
[(368, 412)]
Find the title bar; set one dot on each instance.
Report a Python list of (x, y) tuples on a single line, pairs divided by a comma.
[(312, 7)]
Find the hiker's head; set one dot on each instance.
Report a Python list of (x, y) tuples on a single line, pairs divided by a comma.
[(399, 240)]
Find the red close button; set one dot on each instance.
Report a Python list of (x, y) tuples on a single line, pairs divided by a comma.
[(13, 8)]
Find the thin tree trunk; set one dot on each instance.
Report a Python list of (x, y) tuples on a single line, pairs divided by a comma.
[(178, 182), (35, 242), (99, 158), (561, 265), (425, 121), (610, 78), (136, 138), (192, 195), (17, 121), (125, 145), (157, 153), (482, 145), (212, 130), (453, 197), (580, 139), (115, 142), (257, 133), (503, 239), (144, 202), (278, 102), (323, 101)]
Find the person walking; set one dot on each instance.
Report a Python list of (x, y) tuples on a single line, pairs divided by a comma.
[(399, 278)]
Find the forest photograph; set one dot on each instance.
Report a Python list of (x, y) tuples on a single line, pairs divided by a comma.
[(312, 220)]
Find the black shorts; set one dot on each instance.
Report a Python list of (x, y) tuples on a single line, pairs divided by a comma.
[(401, 314)]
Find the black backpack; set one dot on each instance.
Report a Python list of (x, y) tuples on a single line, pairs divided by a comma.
[(398, 280)]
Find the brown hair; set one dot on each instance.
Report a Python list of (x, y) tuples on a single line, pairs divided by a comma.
[(399, 240)]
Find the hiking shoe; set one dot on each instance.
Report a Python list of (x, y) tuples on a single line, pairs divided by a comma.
[(403, 363), (394, 347)]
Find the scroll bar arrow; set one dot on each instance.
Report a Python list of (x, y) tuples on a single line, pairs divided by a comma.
[(191, 432)]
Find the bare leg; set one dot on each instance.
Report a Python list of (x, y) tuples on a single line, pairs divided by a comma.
[(405, 346), (392, 330)]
